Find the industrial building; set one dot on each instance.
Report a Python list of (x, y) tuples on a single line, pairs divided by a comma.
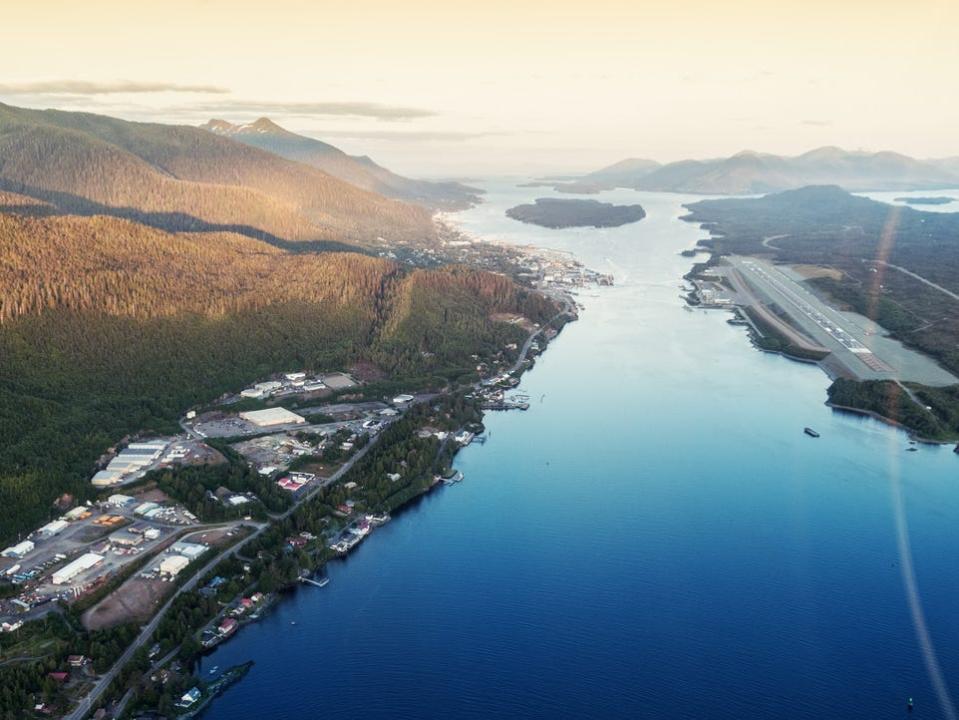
[(126, 537), (271, 417), (173, 564), (71, 570), (188, 549), (19, 550), (52, 528), (106, 478)]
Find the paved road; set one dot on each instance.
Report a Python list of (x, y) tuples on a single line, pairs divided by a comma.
[(529, 341), (100, 686), (920, 278)]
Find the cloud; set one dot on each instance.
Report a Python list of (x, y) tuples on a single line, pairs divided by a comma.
[(81, 87), (376, 111), (817, 123), (400, 136)]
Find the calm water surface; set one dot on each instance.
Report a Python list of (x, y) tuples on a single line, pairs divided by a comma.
[(655, 537)]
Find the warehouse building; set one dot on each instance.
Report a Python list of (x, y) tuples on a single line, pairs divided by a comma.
[(173, 565), (106, 478), (53, 528), (71, 570), (19, 550), (272, 417), (188, 549)]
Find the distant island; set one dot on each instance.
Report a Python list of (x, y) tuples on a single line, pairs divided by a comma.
[(563, 213), (936, 200)]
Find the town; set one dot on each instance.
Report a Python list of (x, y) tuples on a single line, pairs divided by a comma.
[(181, 516)]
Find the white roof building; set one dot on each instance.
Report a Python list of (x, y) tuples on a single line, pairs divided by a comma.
[(154, 445), (19, 550), (272, 416), (173, 564), (144, 508), (190, 550), (119, 500), (71, 570), (53, 528), (106, 478)]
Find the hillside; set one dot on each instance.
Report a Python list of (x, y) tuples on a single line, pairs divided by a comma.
[(109, 327), (360, 171), (183, 178), (751, 173)]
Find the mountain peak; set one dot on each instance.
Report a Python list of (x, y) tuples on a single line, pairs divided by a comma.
[(261, 126), (265, 125), (220, 127)]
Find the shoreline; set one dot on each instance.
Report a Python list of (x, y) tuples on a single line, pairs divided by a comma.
[(824, 363), (536, 342)]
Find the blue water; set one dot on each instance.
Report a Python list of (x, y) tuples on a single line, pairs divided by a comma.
[(655, 537)]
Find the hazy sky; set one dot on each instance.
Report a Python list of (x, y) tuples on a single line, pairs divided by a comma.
[(508, 86)]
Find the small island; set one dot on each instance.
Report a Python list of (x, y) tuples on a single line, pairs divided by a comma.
[(936, 200), (563, 213)]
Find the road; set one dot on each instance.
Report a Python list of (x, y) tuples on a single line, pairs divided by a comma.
[(920, 278), (99, 687), (529, 341)]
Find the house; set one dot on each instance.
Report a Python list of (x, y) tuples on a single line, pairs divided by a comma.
[(77, 660), (189, 698), (256, 597), (227, 627), (296, 542), (60, 676), (246, 603)]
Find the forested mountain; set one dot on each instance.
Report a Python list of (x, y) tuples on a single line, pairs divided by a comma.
[(109, 327), (184, 178), (751, 172), (360, 171)]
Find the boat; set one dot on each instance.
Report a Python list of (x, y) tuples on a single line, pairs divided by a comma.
[(810, 432)]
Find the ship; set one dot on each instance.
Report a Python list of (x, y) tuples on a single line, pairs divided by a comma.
[(810, 432)]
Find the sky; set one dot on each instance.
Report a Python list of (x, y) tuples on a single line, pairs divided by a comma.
[(463, 89)]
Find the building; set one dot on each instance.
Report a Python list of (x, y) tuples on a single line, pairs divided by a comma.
[(53, 528), (173, 564), (188, 549), (295, 376), (126, 537), (19, 550), (144, 508), (271, 417), (119, 500), (106, 478), (189, 698), (252, 393), (71, 570), (227, 626), (401, 399), (80, 512)]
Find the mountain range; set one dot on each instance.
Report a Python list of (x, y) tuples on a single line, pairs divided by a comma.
[(360, 171), (187, 179), (750, 172)]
